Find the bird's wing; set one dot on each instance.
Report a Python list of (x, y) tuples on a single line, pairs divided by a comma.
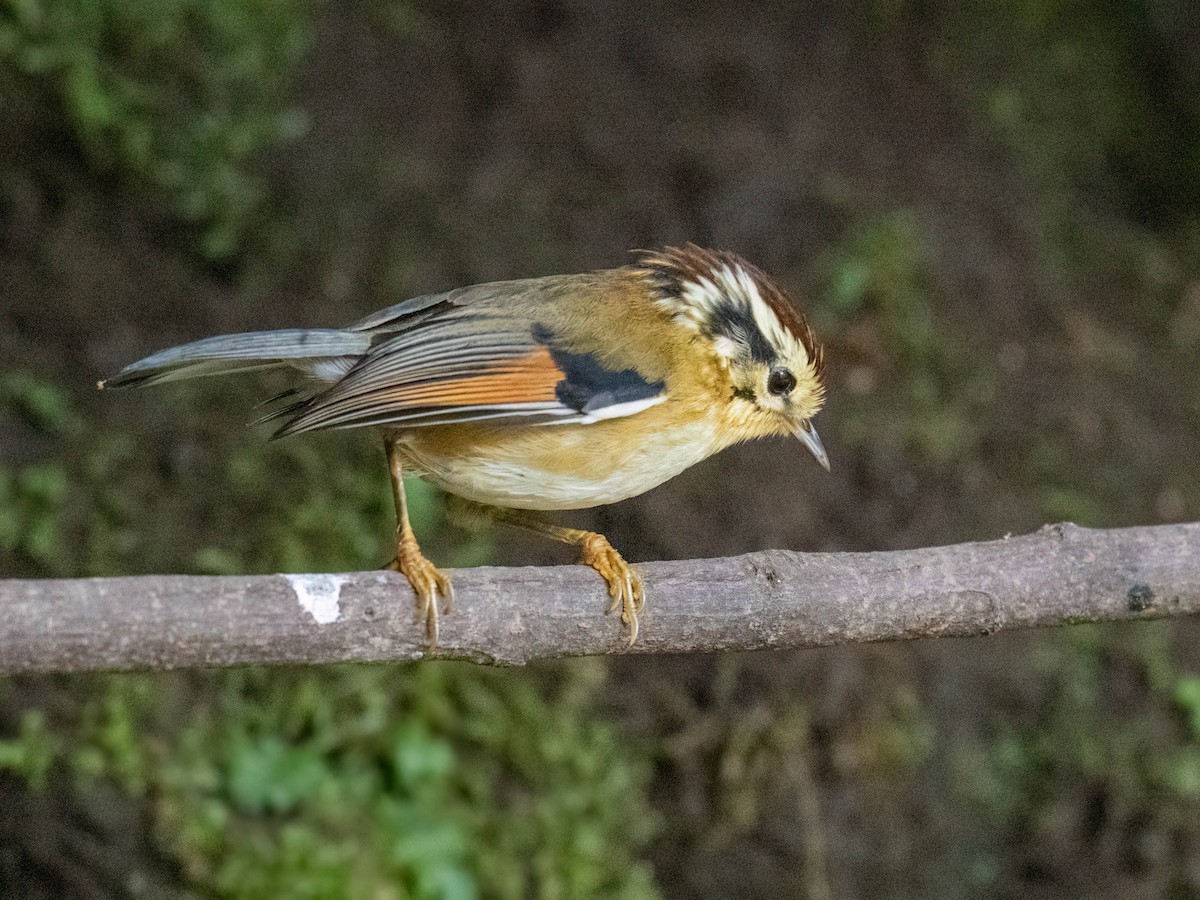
[(459, 358)]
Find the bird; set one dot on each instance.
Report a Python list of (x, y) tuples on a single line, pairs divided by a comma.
[(550, 393)]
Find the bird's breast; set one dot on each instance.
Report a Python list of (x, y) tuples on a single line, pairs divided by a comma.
[(559, 466)]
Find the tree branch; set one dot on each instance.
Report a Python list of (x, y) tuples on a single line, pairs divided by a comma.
[(774, 599)]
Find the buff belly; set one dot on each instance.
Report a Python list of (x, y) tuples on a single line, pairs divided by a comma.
[(556, 466)]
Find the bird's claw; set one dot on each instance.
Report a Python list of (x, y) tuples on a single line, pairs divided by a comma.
[(428, 582), (624, 583)]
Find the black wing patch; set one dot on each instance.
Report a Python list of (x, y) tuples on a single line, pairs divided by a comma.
[(588, 387)]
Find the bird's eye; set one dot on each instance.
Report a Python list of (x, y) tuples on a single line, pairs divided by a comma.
[(781, 382)]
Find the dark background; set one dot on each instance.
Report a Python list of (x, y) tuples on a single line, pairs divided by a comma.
[(991, 211)]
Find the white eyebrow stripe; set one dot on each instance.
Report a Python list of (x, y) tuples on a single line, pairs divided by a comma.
[(702, 295), (768, 321)]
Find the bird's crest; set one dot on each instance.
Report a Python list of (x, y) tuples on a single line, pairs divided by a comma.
[(731, 301)]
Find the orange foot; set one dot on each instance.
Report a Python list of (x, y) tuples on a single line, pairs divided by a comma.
[(624, 583), (429, 583)]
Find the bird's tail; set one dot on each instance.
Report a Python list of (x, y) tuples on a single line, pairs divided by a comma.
[(324, 352)]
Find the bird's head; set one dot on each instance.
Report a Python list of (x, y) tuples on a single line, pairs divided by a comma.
[(764, 347)]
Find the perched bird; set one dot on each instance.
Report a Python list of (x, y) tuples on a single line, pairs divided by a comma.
[(562, 392)]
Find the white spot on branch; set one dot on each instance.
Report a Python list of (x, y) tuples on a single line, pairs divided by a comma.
[(319, 595)]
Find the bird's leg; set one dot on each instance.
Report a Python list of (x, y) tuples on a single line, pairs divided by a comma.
[(624, 583), (427, 580)]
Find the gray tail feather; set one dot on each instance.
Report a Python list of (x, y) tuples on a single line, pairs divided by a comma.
[(240, 353)]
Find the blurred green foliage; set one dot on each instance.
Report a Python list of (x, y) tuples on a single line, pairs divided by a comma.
[(1083, 97), (177, 94), (446, 781), (930, 397), (33, 497), (1152, 760)]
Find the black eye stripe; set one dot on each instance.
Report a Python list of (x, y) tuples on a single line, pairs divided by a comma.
[(781, 382), (736, 322)]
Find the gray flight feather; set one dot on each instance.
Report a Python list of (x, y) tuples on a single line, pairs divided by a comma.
[(400, 315), (241, 352)]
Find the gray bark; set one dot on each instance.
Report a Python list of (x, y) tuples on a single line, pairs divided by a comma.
[(770, 600)]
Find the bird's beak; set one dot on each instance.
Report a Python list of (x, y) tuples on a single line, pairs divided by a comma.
[(808, 437)]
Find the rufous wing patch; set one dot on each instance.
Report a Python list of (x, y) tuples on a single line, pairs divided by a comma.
[(527, 379)]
